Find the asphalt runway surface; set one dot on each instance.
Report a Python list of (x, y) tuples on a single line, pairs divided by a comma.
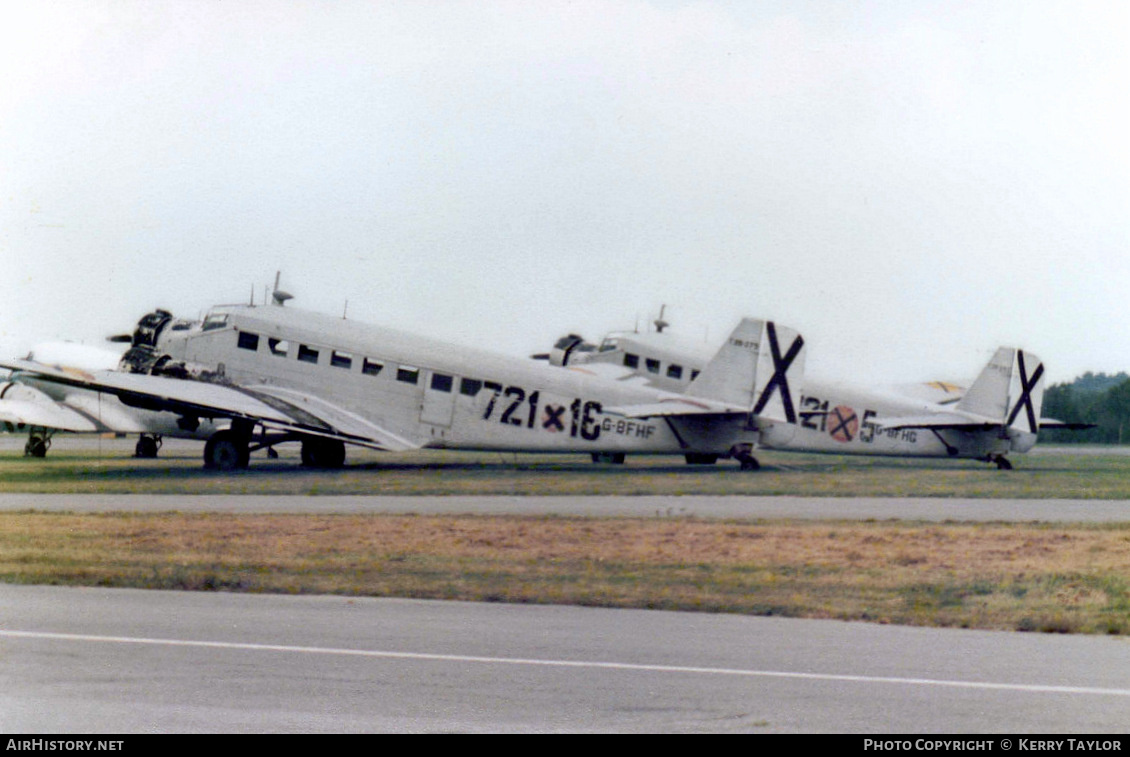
[(85, 660)]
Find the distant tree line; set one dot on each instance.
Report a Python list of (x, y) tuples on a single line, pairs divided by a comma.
[(1092, 398)]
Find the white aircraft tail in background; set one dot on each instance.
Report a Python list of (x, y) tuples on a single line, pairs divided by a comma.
[(999, 412)]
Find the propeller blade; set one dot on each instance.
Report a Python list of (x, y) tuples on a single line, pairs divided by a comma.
[(120, 338)]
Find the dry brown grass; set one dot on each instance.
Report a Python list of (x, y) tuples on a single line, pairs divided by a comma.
[(1006, 576)]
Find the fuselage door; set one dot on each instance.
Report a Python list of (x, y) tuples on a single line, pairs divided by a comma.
[(439, 400)]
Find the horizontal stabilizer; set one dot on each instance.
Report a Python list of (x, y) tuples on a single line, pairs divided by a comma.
[(1050, 423), (939, 422), (677, 406)]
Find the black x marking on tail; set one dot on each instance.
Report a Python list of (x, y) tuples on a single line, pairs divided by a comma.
[(780, 380), (1026, 388)]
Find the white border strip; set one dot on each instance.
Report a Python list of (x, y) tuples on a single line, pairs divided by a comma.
[(568, 663)]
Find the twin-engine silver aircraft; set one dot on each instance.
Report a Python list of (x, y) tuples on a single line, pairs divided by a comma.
[(253, 377)]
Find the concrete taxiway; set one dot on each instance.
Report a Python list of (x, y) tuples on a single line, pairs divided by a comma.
[(76, 660), (740, 507)]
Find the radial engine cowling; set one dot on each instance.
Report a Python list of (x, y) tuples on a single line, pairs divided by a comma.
[(567, 347)]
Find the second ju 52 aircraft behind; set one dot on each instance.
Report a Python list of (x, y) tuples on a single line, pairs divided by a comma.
[(271, 374)]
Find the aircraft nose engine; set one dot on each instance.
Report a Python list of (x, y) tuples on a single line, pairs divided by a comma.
[(567, 347), (142, 355)]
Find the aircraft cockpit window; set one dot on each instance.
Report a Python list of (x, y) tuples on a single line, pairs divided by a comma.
[(674, 371), (652, 365), (215, 321), (694, 375), (631, 361), (371, 367), (307, 354), (609, 345), (441, 382), (408, 374), (248, 341), (341, 359), (470, 387), (278, 347)]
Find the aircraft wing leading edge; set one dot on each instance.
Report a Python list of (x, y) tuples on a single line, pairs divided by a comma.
[(271, 407)]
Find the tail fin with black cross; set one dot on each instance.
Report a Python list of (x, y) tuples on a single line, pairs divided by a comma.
[(1010, 388), (759, 368)]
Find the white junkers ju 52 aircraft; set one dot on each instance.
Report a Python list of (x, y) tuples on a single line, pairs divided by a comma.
[(927, 419), (252, 377)]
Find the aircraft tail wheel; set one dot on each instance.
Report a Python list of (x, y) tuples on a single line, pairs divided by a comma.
[(226, 452), (1002, 463), (743, 453), (749, 462)]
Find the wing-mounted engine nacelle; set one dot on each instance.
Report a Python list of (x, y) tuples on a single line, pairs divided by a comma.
[(568, 348), (145, 359)]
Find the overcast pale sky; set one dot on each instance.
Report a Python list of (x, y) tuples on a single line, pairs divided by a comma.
[(910, 184)]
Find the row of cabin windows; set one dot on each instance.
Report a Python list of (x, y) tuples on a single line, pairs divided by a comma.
[(308, 354), (441, 382), (674, 371)]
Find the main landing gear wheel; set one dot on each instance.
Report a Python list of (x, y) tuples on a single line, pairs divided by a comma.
[(323, 453), (37, 445), (147, 446), (226, 452)]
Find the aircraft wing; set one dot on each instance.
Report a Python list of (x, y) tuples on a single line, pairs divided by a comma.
[(45, 414), (272, 407)]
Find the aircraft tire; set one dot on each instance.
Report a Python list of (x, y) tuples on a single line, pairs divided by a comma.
[(226, 452), (146, 448), (36, 447), (749, 462), (323, 453)]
